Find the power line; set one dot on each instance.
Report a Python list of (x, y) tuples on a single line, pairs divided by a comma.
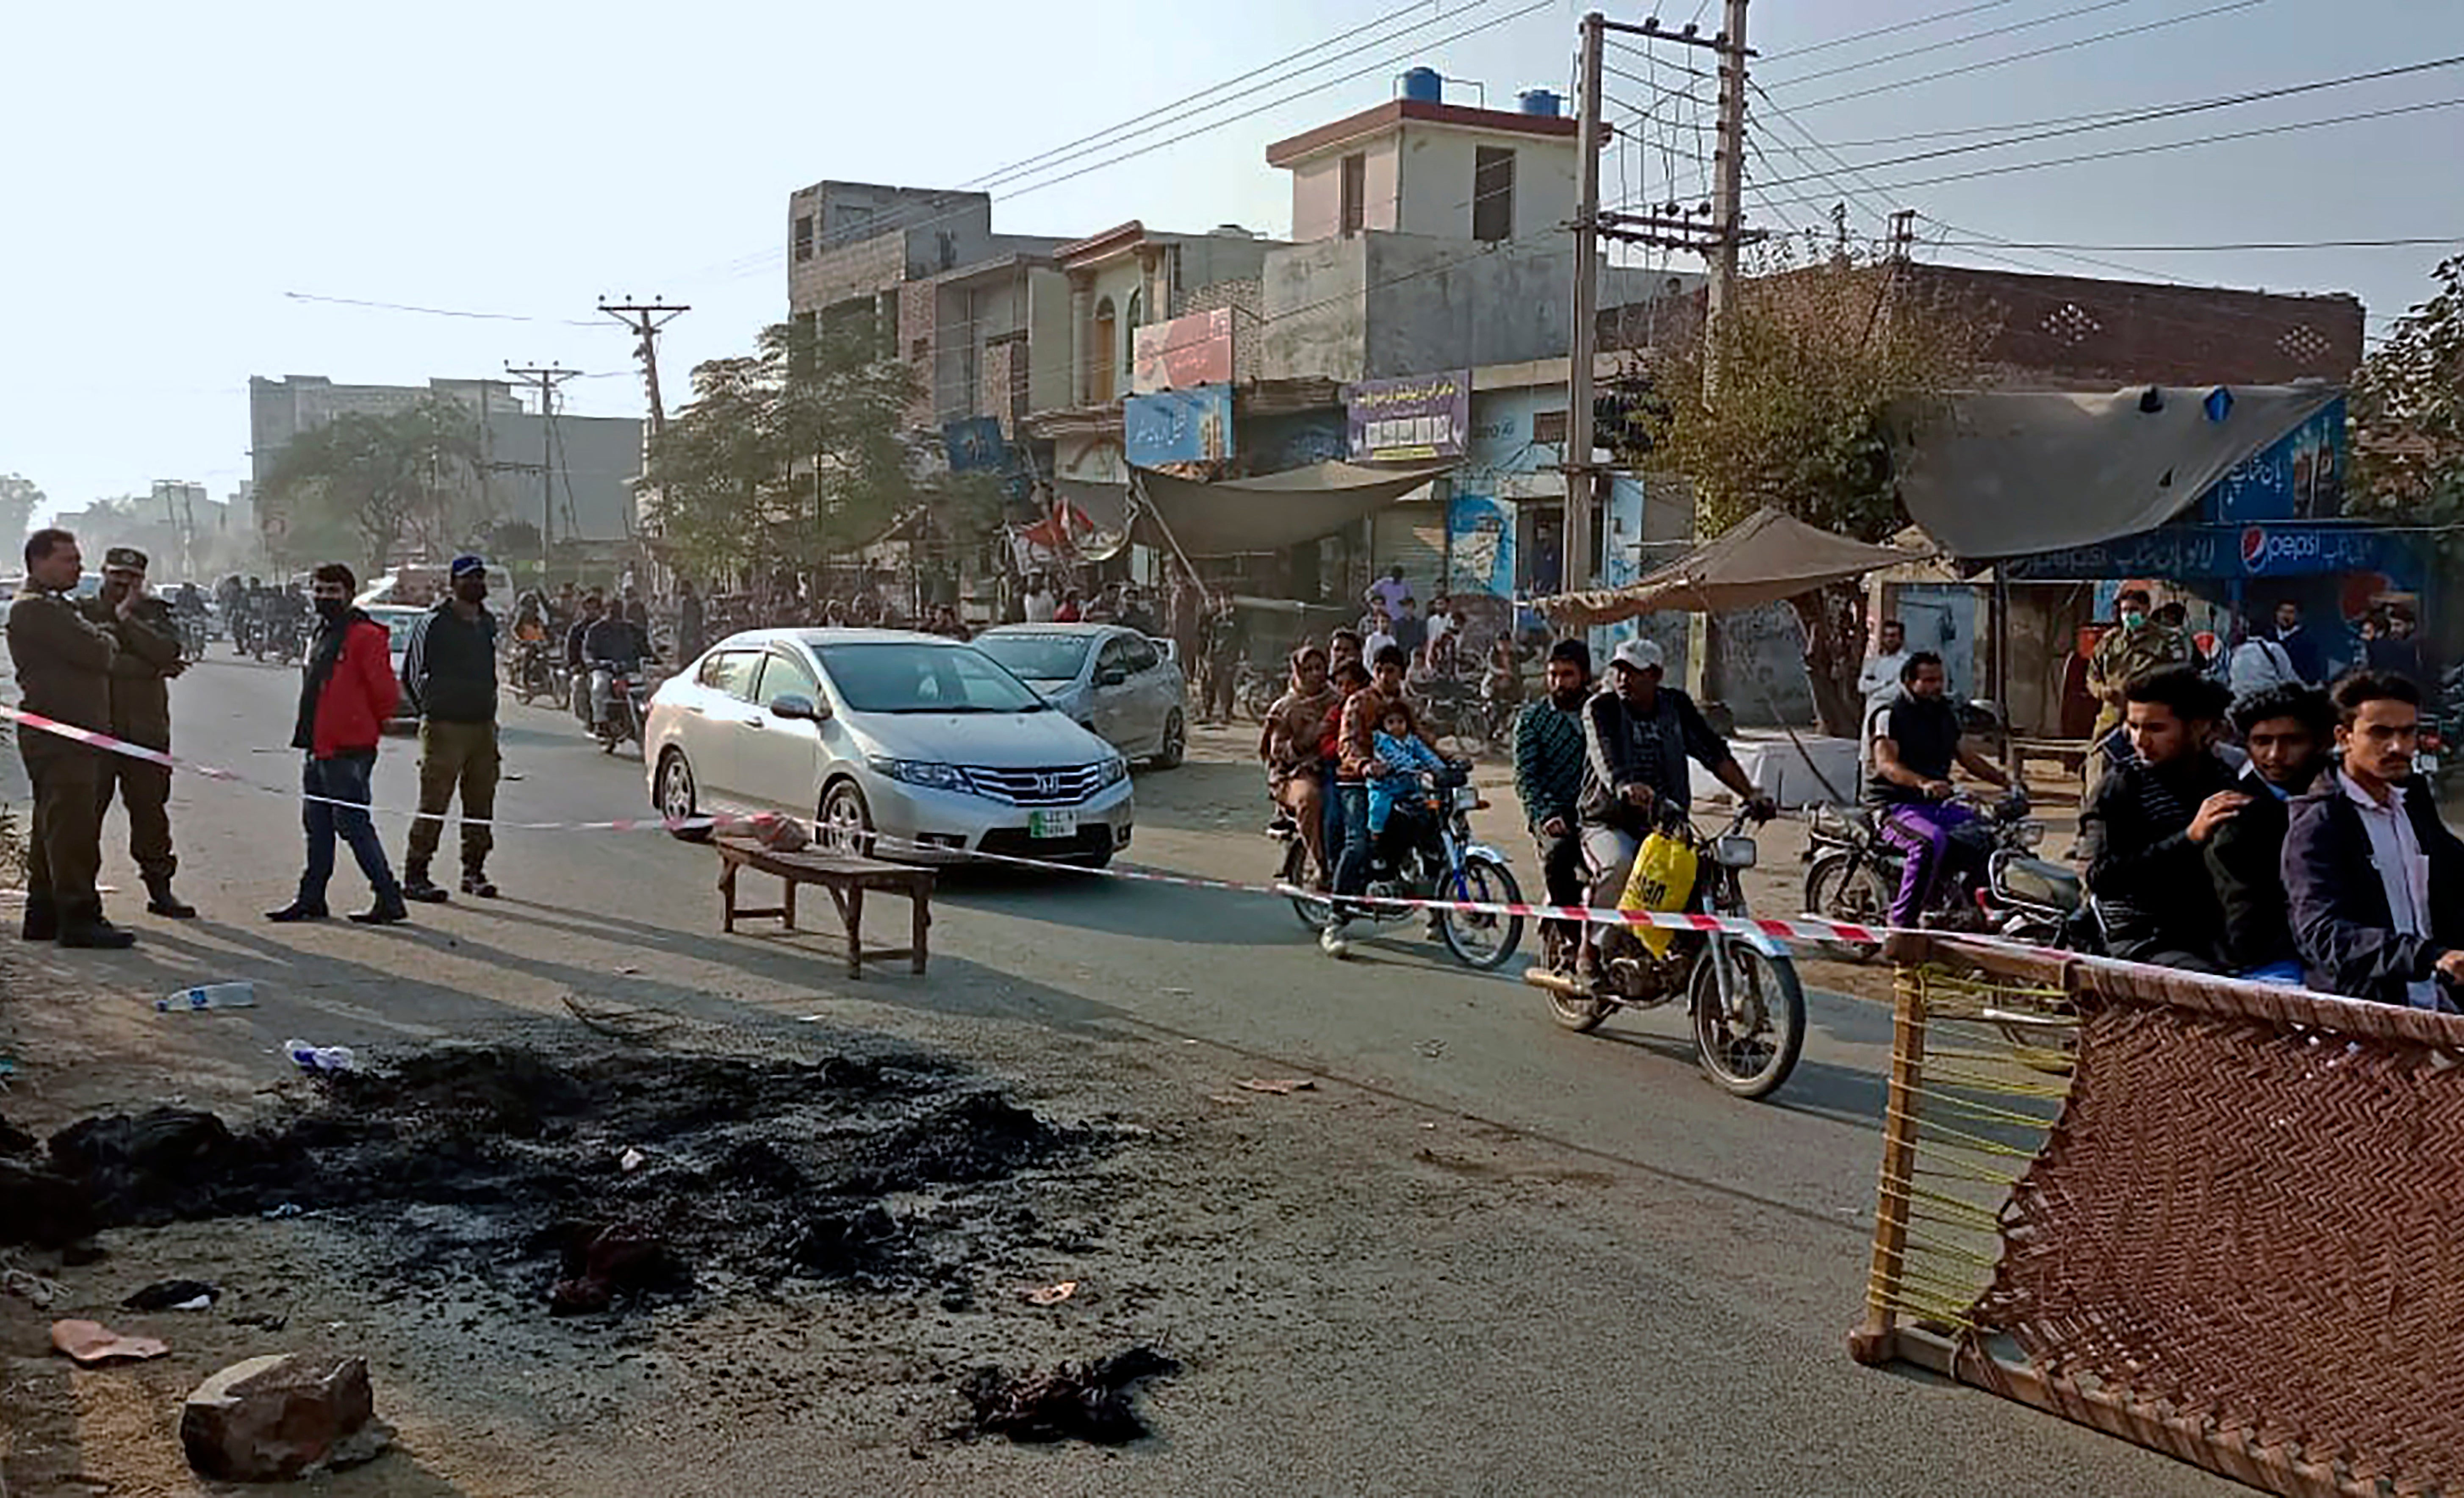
[(763, 262), (2165, 146), (1886, 31), (2258, 244), (436, 311), (2039, 52), (2157, 112), (1785, 117), (1957, 41), (1111, 133)]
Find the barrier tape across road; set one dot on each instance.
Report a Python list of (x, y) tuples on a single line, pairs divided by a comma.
[(1802, 928)]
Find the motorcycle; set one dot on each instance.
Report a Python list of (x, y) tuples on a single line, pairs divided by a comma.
[(1994, 885), (192, 636), (628, 696), (1458, 710), (1740, 988), (1446, 865), (279, 636), (531, 675)]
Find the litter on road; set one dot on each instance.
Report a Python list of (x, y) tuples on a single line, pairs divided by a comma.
[(89, 1344)]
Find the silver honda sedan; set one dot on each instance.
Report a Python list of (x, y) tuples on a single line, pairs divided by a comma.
[(905, 744)]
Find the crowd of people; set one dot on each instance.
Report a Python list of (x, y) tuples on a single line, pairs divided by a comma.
[(2241, 815)]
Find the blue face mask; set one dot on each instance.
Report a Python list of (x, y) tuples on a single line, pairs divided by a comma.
[(2133, 620)]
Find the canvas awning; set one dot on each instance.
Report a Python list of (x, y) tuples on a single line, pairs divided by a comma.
[(1994, 475), (1762, 560), (1267, 512)]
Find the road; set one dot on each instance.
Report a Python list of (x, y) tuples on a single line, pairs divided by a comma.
[(1482, 1256)]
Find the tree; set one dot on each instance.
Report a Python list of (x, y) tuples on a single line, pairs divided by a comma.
[(1810, 358), (2408, 412), (788, 456), (374, 482), (19, 498)]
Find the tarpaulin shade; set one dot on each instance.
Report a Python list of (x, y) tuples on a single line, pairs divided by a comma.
[(1268, 512), (2004, 475), (1762, 560)]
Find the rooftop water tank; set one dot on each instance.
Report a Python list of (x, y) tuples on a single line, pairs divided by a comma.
[(1423, 85), (1540, 101)]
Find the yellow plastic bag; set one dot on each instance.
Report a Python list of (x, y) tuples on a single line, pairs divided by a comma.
[(1663, 879)]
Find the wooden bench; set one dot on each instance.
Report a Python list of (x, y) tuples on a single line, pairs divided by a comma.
[(844, 878)]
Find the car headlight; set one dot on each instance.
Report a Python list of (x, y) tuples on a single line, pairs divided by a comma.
[(919, 772), (1114, 771)]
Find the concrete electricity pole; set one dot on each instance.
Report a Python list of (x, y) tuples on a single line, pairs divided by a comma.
[(1727, 189), (644, 319), (544, 379), (1576, 562)]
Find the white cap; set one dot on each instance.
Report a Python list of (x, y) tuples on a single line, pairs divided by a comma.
[(1639, 653)]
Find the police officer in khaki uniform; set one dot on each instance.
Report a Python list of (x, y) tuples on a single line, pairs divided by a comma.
[(141, 713), (63, 663)]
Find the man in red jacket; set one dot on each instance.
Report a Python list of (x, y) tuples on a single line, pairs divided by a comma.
[(345, 697)]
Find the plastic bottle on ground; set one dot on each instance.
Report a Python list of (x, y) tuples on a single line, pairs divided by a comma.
[(209, 996), (320, 1059)]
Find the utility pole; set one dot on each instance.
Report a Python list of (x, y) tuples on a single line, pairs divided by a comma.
[(643, 319), (1728, 187), (1575, 565), (544, 379)]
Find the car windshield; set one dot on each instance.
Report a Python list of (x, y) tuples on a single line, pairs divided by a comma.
[(1038, 657), (894, 677)]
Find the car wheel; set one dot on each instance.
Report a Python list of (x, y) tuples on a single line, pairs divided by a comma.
[(1174, 745), (677, 797), (846, 821)]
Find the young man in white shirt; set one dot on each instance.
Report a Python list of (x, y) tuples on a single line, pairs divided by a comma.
[(2374, 880)]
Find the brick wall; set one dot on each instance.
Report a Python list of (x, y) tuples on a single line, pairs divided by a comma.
[(917, 307)]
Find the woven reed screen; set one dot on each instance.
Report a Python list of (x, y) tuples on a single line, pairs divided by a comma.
[(2219, 1220)]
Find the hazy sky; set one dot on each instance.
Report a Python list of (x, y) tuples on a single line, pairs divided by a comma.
[(174, 170)]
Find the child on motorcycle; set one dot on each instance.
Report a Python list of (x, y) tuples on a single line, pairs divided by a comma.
[(1396, 785)]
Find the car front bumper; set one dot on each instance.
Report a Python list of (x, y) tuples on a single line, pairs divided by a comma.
[(920, 823)]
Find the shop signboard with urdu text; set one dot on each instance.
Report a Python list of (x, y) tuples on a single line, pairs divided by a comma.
[(1184, 353), (1409, 419), (1177, 427)]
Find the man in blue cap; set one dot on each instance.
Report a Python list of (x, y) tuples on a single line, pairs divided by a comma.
[(448, 675)]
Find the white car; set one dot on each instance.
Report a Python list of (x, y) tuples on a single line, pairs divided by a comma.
[(908, 745), (398, 622), (1118, 682)]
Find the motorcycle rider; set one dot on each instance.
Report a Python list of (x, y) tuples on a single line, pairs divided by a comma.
[(1548, 773), (1363, 710), (1289, 748), (1637, 737), (1915, 742), (2286, 729), (2144, 835), (594, 604), (189, 610), (612, 645)]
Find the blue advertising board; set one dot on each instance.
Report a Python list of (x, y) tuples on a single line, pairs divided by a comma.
[(1192, 426), (2299, 476), (975, 445), (1481, 542), (2224, 552)]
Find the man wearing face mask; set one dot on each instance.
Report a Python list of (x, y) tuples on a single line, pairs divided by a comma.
[(448, 675), (2137, 645), (345, 695)]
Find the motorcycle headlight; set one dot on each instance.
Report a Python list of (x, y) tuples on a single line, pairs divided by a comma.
[(2030, 833), (919, 772), (1114, 771)]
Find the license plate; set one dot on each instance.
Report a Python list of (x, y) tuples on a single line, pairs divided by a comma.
[(1051, 824)]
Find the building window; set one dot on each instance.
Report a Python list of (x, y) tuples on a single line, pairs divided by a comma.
[(804, 236), (1492, 193), (1549, 428), (1130, 336), (1355, 194), (1099, 354)]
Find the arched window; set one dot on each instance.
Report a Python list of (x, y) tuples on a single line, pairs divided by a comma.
[(1129, 337), (1099, 355)]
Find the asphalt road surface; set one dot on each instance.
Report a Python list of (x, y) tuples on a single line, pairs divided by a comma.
[(1482, 1256)]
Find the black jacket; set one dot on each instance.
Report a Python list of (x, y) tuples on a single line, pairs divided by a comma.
[(449, 669), (2246, 862), (2341, 920), (2150, 881), (1622, 748), (615, 639)]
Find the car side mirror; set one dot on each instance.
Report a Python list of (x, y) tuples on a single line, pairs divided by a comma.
[(1110, 677), (795, 706)]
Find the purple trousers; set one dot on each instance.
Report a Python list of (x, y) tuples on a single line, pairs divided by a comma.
[(1920, 830)]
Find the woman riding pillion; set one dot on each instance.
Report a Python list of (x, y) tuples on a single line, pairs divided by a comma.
[(1637, 737)]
